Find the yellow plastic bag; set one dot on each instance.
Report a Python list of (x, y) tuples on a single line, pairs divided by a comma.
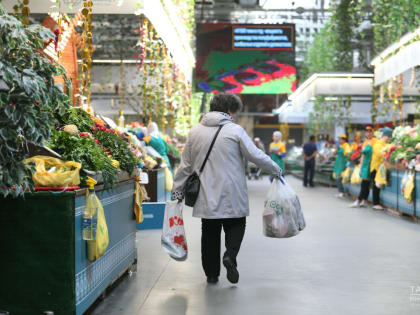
[(380, 177), (138, 199), (345, 176), (96, 248), (409, 188), (169, 180), (355, 176), (52, 172)]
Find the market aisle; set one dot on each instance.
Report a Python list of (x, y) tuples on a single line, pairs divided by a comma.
[(347, 261)]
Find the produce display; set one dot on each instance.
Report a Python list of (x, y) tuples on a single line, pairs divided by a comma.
[(79, 137), (405, 148), (85, 150)]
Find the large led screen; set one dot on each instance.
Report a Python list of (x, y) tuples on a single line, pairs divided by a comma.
[(245, 59)]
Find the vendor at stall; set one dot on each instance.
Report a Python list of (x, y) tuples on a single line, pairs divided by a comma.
[(277, 150), (151, 136), (343, 150), (357, 141), (377, 160), (366, 159)]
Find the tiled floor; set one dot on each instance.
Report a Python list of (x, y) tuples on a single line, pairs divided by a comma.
[(347, 261)]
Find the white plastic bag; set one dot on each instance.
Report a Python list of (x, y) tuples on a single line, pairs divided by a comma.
[(173, 238), (282, 215)]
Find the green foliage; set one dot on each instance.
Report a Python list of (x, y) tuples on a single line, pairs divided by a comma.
[(118, 149), (74, 116), (392, 19), (320, 56), (28, 102), (86, 151)]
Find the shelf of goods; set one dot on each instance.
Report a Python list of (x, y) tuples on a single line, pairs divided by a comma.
[(44, 263), (391, 195)]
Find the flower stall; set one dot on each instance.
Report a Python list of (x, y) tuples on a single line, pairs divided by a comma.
[(396, 89)]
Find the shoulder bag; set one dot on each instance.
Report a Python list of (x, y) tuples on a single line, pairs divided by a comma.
[(192, 186)]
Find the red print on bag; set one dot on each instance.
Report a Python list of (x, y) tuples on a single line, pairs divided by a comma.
[(175, 221), (180, 240)]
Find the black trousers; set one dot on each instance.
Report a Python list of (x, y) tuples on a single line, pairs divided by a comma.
[(309, 172), (211, 238), (365, 187)]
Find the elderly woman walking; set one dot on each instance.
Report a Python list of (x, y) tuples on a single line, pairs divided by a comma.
[(223, 198)]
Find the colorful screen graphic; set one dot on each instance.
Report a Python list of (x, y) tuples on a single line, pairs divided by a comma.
[(245, 59)]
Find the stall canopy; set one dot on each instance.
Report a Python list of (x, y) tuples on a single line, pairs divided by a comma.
[(360, 112), (343, 84), (398, 59)]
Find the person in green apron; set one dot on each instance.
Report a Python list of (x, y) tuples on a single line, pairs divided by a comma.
[(364, 173), (278, 150), (343, 149)]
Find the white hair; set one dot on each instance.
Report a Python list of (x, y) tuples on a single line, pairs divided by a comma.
[(153, 130), (278, 134)]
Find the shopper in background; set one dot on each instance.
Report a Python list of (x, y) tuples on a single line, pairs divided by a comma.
[(259, 144), (365, 168), (155, 140), (343, 150), (277, 150), (309, 152), (223, 198), (377, 160)]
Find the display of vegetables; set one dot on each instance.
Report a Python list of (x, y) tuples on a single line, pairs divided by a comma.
[(118, 148), (405, 148), (78, 121), (85, 150)]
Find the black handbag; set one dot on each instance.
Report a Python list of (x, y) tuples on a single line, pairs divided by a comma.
[(192, 185)]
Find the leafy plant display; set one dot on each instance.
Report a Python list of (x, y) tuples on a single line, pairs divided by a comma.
[(74, 116), (406, 147), (86, 151), (117, 147), (112, 143), (28, 98)]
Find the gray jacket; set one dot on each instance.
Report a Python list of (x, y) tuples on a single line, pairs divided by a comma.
[(223, 191)]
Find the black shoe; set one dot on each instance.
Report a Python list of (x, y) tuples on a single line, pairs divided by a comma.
[(305, 185), (212, 280), (232, 272), (312, 185)]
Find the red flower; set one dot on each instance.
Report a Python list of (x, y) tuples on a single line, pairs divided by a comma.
[(11, 104), (36, 102), (97, 141), (93, 128)]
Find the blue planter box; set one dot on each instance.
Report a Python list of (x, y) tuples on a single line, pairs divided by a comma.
[(44, 259), (389, 194), (403, 206), (417, 201), (153, 213)]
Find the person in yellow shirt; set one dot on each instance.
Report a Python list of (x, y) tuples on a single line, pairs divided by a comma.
[(277, 150), (370, 139), (377, 160), (343, 150), (357, 141)]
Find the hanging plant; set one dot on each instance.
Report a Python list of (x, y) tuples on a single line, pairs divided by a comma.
[(28, 98)]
